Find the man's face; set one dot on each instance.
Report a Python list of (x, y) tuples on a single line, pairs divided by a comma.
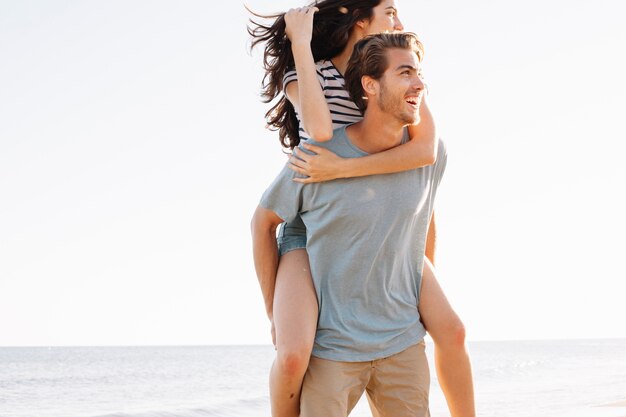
[(401, 87)]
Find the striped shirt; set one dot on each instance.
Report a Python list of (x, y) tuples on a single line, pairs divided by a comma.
[(343, 111)]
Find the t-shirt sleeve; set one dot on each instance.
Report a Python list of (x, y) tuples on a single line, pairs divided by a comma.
[(284, 196), (291, 75), (441, 163), (437, 171)]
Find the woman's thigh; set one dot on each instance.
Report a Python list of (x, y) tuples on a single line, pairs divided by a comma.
[(295, 301), (437, 314)]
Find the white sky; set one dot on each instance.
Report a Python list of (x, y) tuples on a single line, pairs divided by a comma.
[(133, 153)]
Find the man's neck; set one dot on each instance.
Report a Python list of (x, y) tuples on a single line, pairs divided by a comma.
[(376, 134)]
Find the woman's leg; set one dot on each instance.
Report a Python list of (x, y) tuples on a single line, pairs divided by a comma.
[(452, 362), (295, 321)]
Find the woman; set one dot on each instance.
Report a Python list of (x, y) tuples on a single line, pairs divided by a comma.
[(306, 53)]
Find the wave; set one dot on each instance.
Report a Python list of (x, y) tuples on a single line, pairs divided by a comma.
[(249, 407)]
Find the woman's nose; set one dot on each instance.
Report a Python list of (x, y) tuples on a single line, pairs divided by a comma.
[(398, 25)]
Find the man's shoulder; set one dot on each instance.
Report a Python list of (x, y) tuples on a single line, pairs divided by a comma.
[(337, 143)]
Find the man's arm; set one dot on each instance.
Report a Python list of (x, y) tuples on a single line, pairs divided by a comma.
[(265, 253), (431, 238)]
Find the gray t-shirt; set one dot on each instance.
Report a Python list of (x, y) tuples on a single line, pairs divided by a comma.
[(365, 239)]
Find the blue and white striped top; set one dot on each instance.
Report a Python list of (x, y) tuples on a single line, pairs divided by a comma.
[(342, 109)]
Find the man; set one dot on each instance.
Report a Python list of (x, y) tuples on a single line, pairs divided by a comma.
[(366, 239)]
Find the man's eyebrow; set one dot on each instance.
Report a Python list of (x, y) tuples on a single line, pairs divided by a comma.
[(392, 8), (406, 66)]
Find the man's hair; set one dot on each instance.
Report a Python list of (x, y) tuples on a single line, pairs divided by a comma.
[(369, 57)]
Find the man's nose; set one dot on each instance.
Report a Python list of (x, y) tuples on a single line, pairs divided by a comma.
[(418, 84)]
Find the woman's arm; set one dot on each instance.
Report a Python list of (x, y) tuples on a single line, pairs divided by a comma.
[(419, 151), (306, 94)]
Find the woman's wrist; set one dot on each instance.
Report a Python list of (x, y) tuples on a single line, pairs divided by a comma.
[(346, 168), (300, 45)]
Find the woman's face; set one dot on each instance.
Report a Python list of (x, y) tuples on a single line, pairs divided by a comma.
[(384, 19)]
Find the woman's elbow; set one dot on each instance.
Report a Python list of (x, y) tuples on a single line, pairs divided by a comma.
[(428, 154), (320, 133), (430, 158)]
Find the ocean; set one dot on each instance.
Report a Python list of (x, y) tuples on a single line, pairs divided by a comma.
[(582, 378)]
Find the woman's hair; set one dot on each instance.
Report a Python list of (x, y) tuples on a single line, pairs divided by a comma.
[(369, 57), (332, 26)]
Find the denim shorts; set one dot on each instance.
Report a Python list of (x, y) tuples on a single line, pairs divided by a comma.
[(291, 236)]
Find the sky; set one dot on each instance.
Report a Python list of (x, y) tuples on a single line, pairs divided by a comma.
[(133, 152)]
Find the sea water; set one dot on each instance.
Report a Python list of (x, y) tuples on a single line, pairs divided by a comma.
[(517, 379)]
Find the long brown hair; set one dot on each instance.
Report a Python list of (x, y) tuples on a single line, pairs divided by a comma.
[(332, 26)]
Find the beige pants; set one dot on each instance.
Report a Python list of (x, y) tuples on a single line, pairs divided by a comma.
[(397, 385)]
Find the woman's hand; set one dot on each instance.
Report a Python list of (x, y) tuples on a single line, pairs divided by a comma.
[(323, 165), (299, 24)]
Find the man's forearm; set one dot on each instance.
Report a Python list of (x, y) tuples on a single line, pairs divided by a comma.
[(265, 253)]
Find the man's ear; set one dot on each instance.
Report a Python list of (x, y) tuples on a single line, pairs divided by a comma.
[(370, 85)]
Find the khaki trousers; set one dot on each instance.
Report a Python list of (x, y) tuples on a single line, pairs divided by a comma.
[(397, 386)]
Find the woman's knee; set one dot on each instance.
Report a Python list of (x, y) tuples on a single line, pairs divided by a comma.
[(294, 360), (458, 333), (452, 334)]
